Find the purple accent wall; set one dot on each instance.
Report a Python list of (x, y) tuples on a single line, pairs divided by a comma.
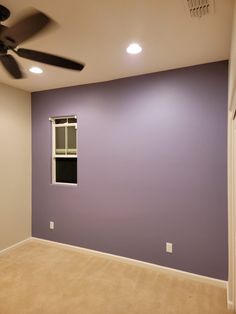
[(152, 168)]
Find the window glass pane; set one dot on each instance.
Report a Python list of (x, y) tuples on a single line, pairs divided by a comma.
[(72, 120), (71, 136), (60, 141), (66, 170), (60, 121)]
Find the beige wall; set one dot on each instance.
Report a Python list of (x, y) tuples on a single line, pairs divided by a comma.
[(15, 166)]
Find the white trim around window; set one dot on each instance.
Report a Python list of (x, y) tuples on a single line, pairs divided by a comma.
[(64, 157)]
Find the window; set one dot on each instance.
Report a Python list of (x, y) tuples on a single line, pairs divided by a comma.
[(64, 150)]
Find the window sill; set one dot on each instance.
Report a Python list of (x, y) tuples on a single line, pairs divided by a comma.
[(64, 184)]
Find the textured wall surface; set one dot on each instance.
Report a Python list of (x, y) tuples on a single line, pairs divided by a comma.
[(15, 161), (152, 168)]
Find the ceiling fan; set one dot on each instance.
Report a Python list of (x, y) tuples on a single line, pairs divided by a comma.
[(27, 27)]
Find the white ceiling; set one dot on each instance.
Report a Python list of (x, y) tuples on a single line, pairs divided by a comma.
[(98, 32)]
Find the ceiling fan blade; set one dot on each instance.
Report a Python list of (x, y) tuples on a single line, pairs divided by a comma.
[(26, 28), (11, 66), (49, 59)]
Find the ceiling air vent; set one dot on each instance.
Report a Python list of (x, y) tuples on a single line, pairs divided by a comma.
[(199, 8)]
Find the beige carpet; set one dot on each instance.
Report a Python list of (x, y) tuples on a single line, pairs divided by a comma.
[(39, 278)]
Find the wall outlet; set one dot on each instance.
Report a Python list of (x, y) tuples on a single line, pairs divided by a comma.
[(51, 225), (169, 247)]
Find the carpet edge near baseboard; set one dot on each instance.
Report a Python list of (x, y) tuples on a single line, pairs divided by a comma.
[(200, 278)]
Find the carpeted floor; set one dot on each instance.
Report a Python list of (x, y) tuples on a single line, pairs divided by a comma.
[(40, 278)]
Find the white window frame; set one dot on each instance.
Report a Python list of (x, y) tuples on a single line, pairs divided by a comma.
[(54, 155)]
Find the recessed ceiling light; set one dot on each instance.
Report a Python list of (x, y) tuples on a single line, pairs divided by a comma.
[(36, 70), (134, 49)]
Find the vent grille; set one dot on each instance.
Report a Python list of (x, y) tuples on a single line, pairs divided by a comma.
[(200, 8)]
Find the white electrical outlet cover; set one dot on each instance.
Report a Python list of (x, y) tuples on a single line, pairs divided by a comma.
[(169, 247)]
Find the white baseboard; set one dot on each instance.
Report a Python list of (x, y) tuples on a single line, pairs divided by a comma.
[(230, 303), (13, 246), (230, 306), (200, 278)]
